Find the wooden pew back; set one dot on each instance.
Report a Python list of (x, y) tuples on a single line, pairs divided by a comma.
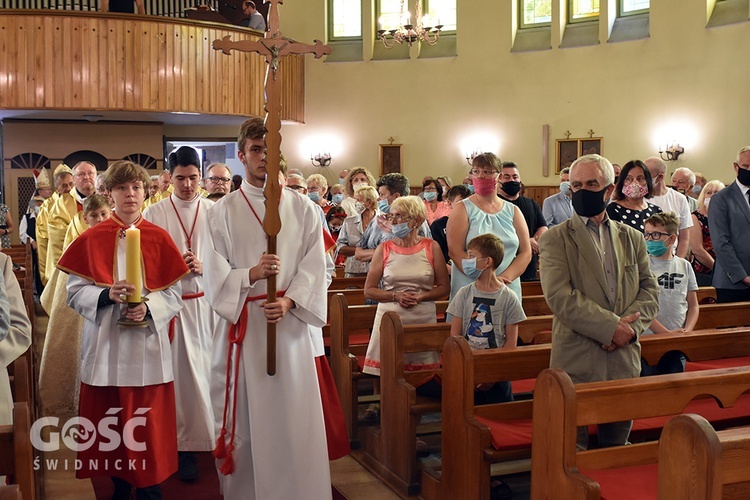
[(467, 451), (16, 452), (345, 283), (345, 318), (536, 305), (711, 316), (394, 451), (698, 463), (560, 407)]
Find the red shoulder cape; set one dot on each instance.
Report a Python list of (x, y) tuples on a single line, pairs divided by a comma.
[(92, 255)]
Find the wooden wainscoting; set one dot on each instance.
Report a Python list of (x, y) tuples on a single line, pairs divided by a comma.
[(91, 60)]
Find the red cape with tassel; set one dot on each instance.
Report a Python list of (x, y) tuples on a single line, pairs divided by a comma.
[(92, 255)]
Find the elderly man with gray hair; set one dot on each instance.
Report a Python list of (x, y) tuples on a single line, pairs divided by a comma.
[(670, 200), (683, 180), (598, 283), (728, 221), (218, 179)]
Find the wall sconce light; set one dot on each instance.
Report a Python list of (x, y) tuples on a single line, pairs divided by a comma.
[(320, 159), (670, 153), (470, 156)]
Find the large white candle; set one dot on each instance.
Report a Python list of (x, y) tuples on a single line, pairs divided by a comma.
[(133, 274)]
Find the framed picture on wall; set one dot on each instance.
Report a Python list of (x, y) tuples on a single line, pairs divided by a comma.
[(567, 150), (391, 159)]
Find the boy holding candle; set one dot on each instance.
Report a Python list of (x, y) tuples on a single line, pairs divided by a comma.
[(126, 372)]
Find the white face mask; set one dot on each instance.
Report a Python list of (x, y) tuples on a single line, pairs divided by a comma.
[(358, 185), (706, 201)]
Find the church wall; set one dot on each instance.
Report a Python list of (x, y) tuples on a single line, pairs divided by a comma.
[(684, 77)]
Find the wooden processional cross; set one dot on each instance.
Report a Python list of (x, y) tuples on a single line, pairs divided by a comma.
[(272, 47)]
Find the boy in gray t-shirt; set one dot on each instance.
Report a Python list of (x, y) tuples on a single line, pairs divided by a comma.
[(486, 312), (678, 300)]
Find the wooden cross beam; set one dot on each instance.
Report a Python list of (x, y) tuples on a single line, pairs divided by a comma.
[(272, 47)]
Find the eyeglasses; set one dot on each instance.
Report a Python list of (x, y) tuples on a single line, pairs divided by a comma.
[(655, 236), (488, 173), (397, 218), (219, 179), (296, 188)]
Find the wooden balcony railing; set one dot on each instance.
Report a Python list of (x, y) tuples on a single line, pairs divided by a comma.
[(56, 59)]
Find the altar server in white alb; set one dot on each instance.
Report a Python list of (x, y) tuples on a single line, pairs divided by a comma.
[(126, 371), (272, 441), (184, 215)]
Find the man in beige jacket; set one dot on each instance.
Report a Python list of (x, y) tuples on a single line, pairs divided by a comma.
[(597, 281)]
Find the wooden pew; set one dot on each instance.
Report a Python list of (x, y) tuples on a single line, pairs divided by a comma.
[(391, 449), (344, 283), (345, 320), (10, 492), (531, 288), (16, 452), (468, 455), (536, 305), (698, 463), (711, 316), (559, 471)]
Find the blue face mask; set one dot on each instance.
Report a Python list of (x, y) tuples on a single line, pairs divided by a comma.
[(384, 206), (697, 189), (656, 248), (314, 196), (470, 187), (401, 230), (337, 198), (341, 180), (470, 268), (430, 195), (565, 188)]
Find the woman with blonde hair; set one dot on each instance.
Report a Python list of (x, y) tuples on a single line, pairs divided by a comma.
[(702, 249), (413, 275), (358, 177)]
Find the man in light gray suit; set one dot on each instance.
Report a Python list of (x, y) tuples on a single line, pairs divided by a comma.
[(729, 223), (558, 207), (597, 281)]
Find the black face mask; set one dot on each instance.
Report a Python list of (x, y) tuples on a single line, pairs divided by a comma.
[(743, 176), (511, 188), (589, 203)]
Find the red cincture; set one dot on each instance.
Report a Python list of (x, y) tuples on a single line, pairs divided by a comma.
[(188, 237)]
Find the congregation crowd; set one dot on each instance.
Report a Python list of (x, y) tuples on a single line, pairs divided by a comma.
[(620, 252)]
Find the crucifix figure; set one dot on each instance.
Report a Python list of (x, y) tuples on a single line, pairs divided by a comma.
[(272, 47)]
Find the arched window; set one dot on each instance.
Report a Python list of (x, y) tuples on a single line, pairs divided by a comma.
[(30, 160), (142, 159)]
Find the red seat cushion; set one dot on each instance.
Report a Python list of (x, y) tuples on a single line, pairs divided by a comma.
[(713, 364), (523, 385), (509, 434), (639, 482)]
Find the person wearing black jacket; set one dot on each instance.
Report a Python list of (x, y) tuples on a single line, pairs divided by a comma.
[(509, 189)]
